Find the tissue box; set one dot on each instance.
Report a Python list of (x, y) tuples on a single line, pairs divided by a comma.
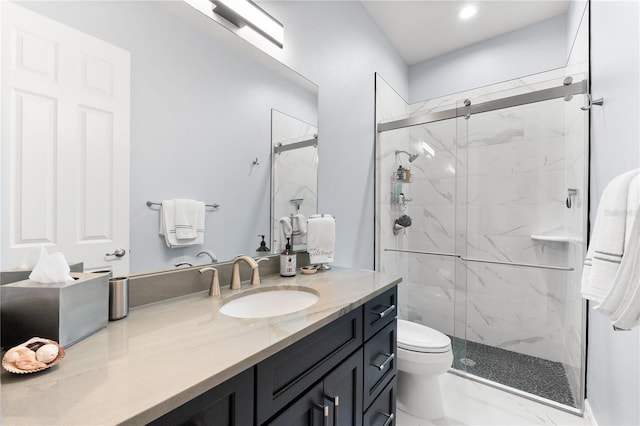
[(66, 312)]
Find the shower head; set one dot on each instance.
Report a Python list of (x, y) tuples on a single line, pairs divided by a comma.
[(412, 157)]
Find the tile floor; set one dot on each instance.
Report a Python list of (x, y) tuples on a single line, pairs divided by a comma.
[(471, 403)]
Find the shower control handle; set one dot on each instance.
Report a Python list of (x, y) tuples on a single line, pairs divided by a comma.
[(382, 366), (384, 313), (389, 417)]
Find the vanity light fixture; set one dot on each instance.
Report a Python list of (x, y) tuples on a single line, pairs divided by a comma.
[(246, 13), (467, 12)]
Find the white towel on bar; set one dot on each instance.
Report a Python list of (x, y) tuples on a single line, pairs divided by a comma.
[(299, 229), (607, 241), (622, 302), (168, 226), (321, 238), (187, 213)]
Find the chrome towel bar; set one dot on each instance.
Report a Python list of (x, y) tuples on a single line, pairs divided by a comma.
[(150, 203)]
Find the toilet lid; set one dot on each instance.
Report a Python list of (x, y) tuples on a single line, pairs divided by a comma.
[(419, 338)]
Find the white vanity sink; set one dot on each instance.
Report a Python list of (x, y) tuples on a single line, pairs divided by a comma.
[(270, 302)]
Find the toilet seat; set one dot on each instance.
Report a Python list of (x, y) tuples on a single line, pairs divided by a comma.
[(420, 338)]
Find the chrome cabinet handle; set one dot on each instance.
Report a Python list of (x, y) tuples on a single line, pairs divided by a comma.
[(385, 312), (325, 414), (389, 417), (382, 366), (336, 404), (117, 253)]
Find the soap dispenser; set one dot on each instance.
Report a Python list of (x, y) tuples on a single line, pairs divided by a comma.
[(288, 261), (263, 250)]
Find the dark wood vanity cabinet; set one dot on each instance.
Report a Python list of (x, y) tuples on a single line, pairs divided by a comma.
[(230, 403), (343, 374), (364, 383)]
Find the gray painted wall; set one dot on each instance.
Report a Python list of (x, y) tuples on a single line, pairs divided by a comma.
[(613, 364), (530, 50), (337, 45)]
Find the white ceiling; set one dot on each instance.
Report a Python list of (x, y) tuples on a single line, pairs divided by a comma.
[(423, 29)]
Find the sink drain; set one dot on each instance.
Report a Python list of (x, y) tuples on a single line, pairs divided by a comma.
[(468, 362)]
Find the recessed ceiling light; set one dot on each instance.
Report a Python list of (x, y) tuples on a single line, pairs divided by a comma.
[(467, 12)]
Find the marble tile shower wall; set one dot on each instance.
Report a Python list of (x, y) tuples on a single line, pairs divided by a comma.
[(516, 188)]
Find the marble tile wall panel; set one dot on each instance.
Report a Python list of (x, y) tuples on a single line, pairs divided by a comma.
[(516, 309), (431, 291)]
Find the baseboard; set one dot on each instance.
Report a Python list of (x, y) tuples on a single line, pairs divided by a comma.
[(588, 414)]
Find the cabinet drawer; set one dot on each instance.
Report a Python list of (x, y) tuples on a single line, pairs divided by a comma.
[(382, 411), (380, 362), (287, 374), (380, 311)]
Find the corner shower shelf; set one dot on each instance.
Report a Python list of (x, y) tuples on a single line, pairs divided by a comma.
[(556, 238)]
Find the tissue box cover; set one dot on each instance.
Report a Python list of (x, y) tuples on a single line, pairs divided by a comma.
[(65, 312)]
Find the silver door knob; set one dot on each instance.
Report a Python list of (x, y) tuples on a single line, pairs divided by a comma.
[(117, 253)]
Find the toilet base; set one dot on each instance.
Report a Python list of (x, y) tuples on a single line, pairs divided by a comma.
[(420, 396)]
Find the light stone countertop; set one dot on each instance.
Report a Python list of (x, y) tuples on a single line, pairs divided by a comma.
[(164, 354)]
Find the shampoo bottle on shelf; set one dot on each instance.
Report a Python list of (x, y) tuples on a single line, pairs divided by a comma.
[(288, 261)]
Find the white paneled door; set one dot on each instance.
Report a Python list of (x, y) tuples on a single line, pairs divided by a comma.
[(65, 143)]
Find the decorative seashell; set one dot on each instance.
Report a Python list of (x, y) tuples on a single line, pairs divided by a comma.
[(30, 364), (47, 353), (13, 354), (22, 360)]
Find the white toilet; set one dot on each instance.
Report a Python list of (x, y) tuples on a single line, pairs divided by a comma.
[(423, 355)]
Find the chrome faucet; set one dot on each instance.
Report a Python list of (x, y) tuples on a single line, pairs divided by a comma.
[(214, 287), (209, 253), (235, 271)]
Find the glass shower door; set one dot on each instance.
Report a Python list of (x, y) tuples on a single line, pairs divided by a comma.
[(521, 226)]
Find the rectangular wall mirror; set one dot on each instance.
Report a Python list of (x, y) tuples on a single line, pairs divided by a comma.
[(198, 125), (294, 179)]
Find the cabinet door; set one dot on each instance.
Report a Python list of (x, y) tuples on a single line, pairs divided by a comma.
[(343, 392), (228, 404), (308, 410)]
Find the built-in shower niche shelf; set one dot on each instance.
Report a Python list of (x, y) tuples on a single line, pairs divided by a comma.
[(556, 237)]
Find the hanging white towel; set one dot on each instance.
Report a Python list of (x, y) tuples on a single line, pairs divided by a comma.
[(168, 226), (622, 302), (321, 236), (186, 218), (607, 242), (627, 315), (299, 230), (286, 230)]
